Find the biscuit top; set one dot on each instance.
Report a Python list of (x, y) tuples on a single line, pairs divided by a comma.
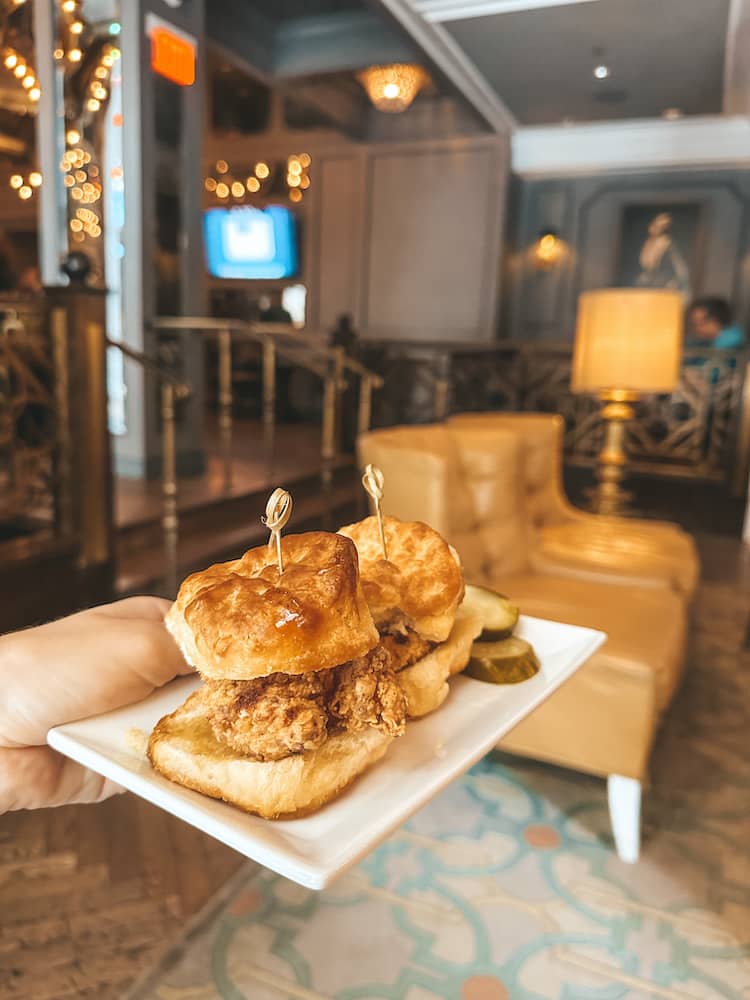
[(240, 619), (422, 576)]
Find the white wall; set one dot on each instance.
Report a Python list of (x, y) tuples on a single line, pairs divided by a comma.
[(405, 237)]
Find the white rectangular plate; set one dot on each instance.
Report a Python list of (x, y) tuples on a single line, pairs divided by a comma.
[(314, 850)]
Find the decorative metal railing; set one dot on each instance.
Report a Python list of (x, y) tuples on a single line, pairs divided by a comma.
[(701, 430), (29, 384)]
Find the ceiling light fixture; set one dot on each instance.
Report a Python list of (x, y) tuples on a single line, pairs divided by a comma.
[(393, 88), (602, 71)]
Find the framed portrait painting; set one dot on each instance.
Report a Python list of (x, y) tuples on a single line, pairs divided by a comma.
[(660, 247)]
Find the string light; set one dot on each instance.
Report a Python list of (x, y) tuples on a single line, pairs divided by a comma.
[(10, 60), (25, 192), (297, 178), (35, 93), (16, 181), (35, 179), (75, 55)]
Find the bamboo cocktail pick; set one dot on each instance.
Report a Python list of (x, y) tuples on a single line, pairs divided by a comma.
[(278, 512), (373, 482)]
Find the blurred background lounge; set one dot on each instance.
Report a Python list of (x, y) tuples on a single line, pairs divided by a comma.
[(500, 247)]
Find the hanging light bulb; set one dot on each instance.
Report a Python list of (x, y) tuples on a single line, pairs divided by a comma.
[(393, 88)]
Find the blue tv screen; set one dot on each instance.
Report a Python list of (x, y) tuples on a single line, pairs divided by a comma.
[(250, 243)]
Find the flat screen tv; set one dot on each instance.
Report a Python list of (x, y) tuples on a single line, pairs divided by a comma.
[(250, 243)]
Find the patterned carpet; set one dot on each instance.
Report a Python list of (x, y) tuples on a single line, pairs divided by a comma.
[(506, 887)]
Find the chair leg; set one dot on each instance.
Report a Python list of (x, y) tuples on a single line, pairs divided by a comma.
[(624, 795)]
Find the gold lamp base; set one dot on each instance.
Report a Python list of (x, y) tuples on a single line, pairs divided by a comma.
[(608, 496)]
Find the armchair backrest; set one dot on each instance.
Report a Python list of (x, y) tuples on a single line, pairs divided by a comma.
[(464, 481), (541, 437)]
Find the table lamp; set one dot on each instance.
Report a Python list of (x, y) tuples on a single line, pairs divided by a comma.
[(628, 344)]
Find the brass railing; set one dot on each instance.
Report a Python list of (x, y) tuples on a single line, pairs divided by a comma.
[(701, 430), (330, 364), (307, 350), (171, 390)]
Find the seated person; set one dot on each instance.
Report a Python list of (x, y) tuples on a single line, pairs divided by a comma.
[(711, 325)]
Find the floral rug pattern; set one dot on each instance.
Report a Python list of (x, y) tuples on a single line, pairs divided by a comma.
[(506, 887)]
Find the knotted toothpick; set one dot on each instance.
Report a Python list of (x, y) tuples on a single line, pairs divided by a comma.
[(278, 512), (373, 482)]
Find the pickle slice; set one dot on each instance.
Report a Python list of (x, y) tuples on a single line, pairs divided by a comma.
[(506, 662), (499, 615)]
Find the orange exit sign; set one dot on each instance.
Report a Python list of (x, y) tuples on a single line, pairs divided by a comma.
[(172, 56)]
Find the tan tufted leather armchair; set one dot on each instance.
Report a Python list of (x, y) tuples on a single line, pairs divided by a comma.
[(571, 542), (469, 480)]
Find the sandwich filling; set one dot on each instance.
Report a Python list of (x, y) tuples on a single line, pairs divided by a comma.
[(273, 717), (402, 642)]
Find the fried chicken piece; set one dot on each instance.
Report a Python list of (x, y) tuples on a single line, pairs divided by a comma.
[(368, 694), (405, 647), (273, 717)]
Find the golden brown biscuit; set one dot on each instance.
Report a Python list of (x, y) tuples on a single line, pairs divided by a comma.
[(184, 749), (422, 576), (238, 620)]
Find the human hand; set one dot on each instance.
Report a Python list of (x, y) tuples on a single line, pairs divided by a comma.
[(92, 662)]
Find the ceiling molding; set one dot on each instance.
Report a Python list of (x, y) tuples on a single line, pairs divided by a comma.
[(450, 59), (330, 43), (460, 10), (639, 144)]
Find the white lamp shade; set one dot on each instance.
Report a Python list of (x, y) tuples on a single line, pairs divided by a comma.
[(628, 339)]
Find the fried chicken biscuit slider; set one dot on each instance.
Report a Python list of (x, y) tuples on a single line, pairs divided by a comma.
[(415, 597), (299, 695)]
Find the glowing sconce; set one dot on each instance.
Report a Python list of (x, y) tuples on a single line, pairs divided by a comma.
[(548, 250)]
